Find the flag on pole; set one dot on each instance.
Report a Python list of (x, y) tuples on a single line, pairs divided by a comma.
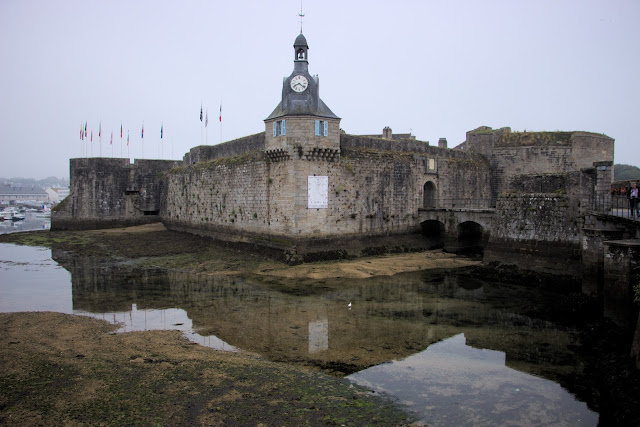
[(120, 130), (220, 118), (91, 135), (111, 138), (206, 120), (161, 126), (142, 133), (85, 129), (200, 112), (100, 129), (81, 132), (127, 138)]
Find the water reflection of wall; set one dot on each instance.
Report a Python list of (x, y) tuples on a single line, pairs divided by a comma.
[(390, 318), (318, 336)]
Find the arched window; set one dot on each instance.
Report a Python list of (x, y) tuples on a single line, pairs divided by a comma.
[(300, 54), (429, 195)]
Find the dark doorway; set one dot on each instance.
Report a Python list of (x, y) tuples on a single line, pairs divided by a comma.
[(429, 195)]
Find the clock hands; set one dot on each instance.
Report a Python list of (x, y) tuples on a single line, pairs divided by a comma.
[(299, 83)]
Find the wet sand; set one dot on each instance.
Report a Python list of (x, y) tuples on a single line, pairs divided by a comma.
[(60, 369)]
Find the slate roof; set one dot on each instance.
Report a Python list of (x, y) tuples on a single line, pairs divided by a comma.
[(302, 109), (9, 190), (301, 41)]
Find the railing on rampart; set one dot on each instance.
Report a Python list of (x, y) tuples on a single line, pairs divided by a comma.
[(460, 203), (610, 204)]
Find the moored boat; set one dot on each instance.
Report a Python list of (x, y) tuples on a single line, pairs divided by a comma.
[(12, 214)]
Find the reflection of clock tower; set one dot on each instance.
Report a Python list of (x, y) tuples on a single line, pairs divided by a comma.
[(302, 126)]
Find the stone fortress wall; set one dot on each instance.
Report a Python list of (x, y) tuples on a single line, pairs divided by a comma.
[(238, 191), (375, 189), (107, 193), (542, 183)]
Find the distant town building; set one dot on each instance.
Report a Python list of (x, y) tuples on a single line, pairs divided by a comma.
[(56, 194), (10, 194)]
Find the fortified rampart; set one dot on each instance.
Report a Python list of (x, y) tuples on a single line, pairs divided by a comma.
[(513, 154), (233, 148), (243, 192), (375, 189), (108, 193), (541, 185)]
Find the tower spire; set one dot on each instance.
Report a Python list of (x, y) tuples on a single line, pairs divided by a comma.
[(301, 15)]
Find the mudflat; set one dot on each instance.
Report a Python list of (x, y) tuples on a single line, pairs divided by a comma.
[(70, 370), (153, 245), (64, 369)]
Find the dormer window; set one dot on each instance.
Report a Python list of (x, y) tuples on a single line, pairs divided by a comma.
[(279, 128), (322, 128)]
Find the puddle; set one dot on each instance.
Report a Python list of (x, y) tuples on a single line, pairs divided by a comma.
[(451, 383)]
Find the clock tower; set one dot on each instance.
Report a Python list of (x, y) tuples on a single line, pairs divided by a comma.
[(302, 126)]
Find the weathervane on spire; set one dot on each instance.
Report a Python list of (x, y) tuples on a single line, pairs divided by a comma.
[(301, 15)]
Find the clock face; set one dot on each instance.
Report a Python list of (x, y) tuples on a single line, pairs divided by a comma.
[(299, 83)]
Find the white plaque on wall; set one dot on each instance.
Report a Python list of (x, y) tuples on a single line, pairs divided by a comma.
[(318, 190)]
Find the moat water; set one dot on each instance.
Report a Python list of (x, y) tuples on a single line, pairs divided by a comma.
[(453, 349)]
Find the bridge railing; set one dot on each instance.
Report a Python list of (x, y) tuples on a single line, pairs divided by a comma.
[(461, 203), (610, 204)]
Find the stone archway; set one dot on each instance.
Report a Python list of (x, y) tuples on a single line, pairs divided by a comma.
[(470, 237), (429, 191), (434, 232)]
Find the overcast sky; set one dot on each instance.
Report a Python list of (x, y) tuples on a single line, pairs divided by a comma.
[(433, 68)]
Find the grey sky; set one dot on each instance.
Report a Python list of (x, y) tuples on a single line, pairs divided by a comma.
[(435, 68)]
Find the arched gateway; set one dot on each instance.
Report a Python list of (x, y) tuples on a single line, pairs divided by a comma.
[(429, 195)]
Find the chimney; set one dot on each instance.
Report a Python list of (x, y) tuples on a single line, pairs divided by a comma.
[(442, 143), (386, 133)]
